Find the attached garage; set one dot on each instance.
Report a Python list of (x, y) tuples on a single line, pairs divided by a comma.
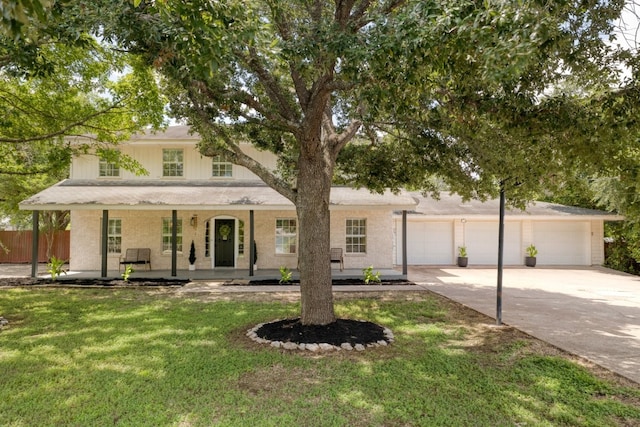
[(481, 240), (563, 235), (562, 242), (428, 243)]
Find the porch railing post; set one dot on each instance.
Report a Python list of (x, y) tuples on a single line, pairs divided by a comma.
[(105, 242), (35, 237), (252, 248), (174, 243), (404, 242)]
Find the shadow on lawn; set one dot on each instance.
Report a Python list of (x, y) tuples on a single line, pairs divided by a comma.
[(130, 357)]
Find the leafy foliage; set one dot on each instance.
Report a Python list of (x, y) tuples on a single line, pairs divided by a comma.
[(369, 276), (128, 271), (15, 14), (285, 275), (58, 82), (55, 267)]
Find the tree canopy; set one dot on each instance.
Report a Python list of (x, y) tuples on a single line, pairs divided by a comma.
[(56, 82), (385, 93)]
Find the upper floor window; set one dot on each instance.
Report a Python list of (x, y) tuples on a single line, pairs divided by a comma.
[(286, 236), (114, 236), (172, 162), (167, 234), (222, 168), (356, 236), (108, 169)]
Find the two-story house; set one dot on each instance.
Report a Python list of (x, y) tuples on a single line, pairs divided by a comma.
[(222, 207), (217, 205)]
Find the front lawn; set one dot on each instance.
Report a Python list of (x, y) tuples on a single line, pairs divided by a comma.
[(128, 357)]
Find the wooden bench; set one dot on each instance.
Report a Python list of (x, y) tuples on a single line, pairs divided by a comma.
[(336, 256), (136, 256)]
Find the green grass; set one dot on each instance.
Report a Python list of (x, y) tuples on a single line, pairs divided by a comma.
[(94, 357)]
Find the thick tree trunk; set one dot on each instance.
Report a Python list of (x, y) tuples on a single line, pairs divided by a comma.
[(314, 188)]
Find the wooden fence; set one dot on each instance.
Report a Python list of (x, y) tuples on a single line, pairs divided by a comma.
[(19, 244)]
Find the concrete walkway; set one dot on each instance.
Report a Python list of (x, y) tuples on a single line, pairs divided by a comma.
[(590, 312)]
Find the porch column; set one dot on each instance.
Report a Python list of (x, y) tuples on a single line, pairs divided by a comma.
[(252, 249), (105, 241), (500, 255), (404, 242), (174, 243), (34, 243)]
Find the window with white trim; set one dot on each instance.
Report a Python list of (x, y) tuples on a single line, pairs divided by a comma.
[(286, 236), (114, 236), (240, 238), (167, 235), (172, 162), (207, 238), (356, 236), (222, 168), (106, 168)]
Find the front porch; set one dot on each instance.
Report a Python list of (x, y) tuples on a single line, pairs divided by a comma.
[(221, 274)]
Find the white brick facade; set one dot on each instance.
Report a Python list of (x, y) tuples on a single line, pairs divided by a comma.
[(143, 229)]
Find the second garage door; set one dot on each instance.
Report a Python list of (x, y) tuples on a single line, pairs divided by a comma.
[(481, 239)]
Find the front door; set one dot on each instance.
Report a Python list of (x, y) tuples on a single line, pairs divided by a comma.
[(224, 242)]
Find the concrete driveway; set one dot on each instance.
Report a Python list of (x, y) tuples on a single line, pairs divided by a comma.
[(592, 312)]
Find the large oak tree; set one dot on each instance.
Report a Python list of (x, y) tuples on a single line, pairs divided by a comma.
[(383, 93)]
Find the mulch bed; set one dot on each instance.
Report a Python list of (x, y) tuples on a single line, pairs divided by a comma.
[(336, 333), (30, 281), (336, 282)]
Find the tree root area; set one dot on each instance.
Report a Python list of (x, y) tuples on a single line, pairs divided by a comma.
[(336, 333)]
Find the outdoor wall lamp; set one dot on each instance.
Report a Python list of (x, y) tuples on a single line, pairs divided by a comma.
[(194, 221)]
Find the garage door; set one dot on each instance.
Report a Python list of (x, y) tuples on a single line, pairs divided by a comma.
[(562, 243), (428, 243), (481, 239)]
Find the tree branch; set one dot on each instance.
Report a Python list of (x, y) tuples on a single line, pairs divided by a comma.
[(237, 156), (244, 98), (359, 18), (283, 26), (343, 12), (339, 141), (62, 131), (358, 13), (274, 91)]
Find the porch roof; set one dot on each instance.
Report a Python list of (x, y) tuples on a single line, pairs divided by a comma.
[(194, 195)]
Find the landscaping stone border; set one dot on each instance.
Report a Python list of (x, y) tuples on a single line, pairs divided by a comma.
[(315, 347)]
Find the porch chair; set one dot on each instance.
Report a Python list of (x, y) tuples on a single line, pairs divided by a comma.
[(336, 256), (136, 256)]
